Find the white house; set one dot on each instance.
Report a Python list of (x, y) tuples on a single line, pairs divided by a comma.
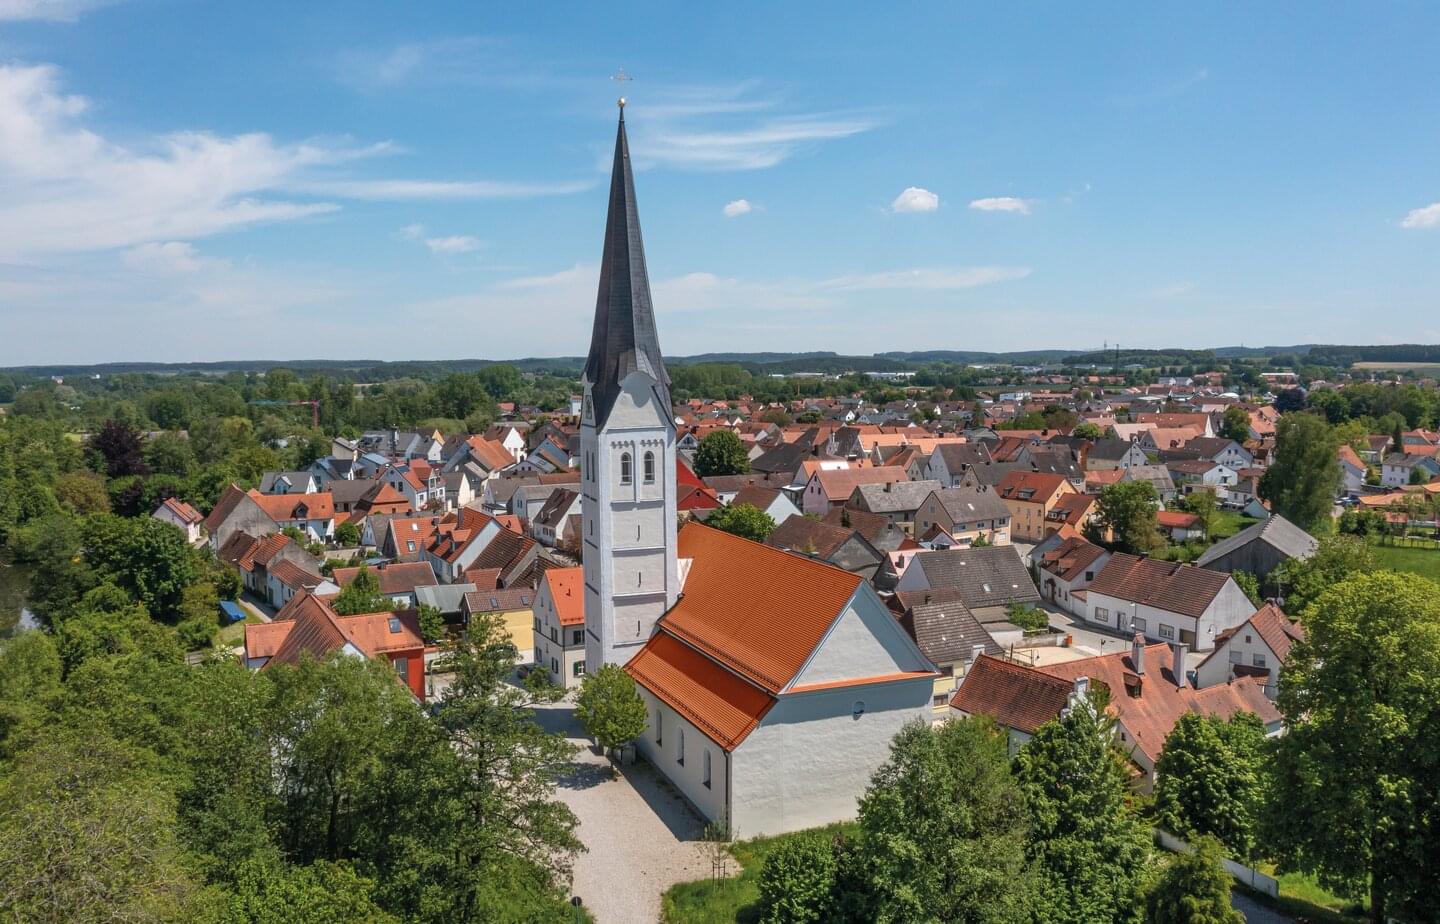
[(1067, 568), (183, 517), (560, 626), (1255, 648), (1167, 601), (770, 501)]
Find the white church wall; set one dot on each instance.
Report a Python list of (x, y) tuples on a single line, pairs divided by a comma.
[(688, 777), (865, 641), (811, 759)]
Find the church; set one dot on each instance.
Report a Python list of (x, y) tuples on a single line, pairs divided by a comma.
[(774, 683)]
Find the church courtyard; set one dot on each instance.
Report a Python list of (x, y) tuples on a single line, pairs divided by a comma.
[(640, 836)]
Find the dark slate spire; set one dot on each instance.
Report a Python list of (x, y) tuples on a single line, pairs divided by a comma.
[(624, 338)]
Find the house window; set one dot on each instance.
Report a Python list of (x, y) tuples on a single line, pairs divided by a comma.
[(649, 468), (579, 669), (1137, 624), (705, 777), (659, 726), (625, 475), (402, 667), (1167, 631), (554, 636), (410, 545), (1258, 660), (680, 751), (1236, 656), (554, 667), (1102, 614), (577, 637)]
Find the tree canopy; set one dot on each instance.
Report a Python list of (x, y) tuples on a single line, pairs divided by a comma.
[(1127, 510), (1210, 780), (721, 453), (1303, 477), (610, 708), (744, 520)]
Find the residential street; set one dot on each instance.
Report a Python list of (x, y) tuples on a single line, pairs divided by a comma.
[(641, 838)]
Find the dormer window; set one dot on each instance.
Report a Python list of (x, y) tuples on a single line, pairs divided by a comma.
[(649, 468), (626, 476)]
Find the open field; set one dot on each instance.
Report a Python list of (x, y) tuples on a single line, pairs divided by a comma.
[(1400, 366), (1424, 562)]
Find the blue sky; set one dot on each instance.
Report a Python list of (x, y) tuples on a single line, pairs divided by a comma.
[(198, 181)]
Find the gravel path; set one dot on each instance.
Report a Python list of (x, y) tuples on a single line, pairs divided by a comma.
[(641, 837)]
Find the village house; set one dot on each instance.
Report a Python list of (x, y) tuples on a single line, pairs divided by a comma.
[(1225, 451), (1257, 647), (1179, 526), (772, 502), (990, 580), (832, 488), (183, 517), (557, 521), (1169, 601), (965, 515), (1031, 496), (1398, 470), (397, 580), (841, 546), (947, 633), (513, 607), (1068, 567), (949, 462), (1107, 454), (560, 626), (1191, 475), (898, 502)]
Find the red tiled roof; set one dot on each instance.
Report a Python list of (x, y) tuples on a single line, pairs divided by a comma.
[(1176, 519), (1041, 485), (1016, 697), (295, 577), (262, 640), (1279, 633), (1170, 586), (1069, 559), (317, 630), (184, 511), (766, 625), (711, 698), (281, 507), (399, 577), (223, 508), (838, 484), (567, 591)]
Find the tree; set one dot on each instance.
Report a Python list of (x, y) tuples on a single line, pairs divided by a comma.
[(119, 445), (1356, 774), (942, 830), (744, 520), (432, 623), (721, 453), (1127, 510), (1209, 779), (321, 893), (347, 534), (609, 707), (1290, 400), (1087, 431), (1194, 889), (1089, 846), (1397, 437), (1250, 584), (82, 493), (1235, 424), (1204, 506), (1303, 479), (1301, 581), (87, 835), (797, 880), (361, 595), (146, 557)]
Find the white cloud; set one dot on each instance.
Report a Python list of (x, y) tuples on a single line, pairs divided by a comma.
[(66, 189), (410, 232), (416, 190), (172, 258), (1001, 204), (459, 243), (1427, 217), (755, 148), (738, 207), (915, 199), (51, 10)]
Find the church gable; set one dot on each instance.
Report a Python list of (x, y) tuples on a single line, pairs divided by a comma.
[(865, 642)]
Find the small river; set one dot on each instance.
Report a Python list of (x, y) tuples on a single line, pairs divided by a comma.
[(14, 585)]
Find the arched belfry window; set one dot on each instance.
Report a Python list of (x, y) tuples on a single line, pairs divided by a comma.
[(649, 468), (625, 473)]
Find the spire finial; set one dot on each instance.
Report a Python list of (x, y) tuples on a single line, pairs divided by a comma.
[(622, 78)]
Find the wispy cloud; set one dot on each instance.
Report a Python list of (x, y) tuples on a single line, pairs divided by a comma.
[(454, 244), (49, 10), (469, 60), (1002, 204), (1427, 217), (964, 277), (737, 208), (172, 258), (64, 188), (753, 147), (915, 199)]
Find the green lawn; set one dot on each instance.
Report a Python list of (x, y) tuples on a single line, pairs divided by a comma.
[(1424, 562), (1230, 522), (1303, 898), (231, 635), (725, 901)]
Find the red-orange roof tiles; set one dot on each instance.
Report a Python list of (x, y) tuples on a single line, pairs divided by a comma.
[(713, 699)]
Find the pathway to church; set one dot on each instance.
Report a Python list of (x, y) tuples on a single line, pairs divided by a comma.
[(640, 836)]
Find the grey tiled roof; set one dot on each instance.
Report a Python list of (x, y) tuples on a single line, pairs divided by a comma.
[(945, 629), (968, 504), (1277, 531), (899, 497), (988, 576)]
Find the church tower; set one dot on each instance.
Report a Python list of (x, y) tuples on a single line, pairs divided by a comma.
[(627, 445)]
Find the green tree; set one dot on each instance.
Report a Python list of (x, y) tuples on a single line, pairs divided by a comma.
[(744, 520), (1209, 779), (361, 595), (347, 534), (1301, 581), (721, 453), (1235, 424), (1204, 506), (942, 830), (1355, 775), (1127, 510), (1303, 478), (146, 557), (82, 493), (321, 893), (797, 880), (610, 708), (1250, 584), (432, 623), (87, 835), (1194, 889), (1089, 846), (1087, 431)]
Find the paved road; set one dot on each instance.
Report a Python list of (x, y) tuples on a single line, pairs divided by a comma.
[(1256, 913), (640, 836)]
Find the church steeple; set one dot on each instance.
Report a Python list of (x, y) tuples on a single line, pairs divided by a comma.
[(623, 340)]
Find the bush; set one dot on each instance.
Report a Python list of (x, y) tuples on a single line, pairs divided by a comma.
[(196, 633), (797, 880), (1029, 618)]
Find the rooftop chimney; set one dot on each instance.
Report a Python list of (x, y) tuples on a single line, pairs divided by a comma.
[(1178, 669), (1137, 653), (975, 652)]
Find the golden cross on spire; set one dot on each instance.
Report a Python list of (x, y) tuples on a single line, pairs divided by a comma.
[(622, 78)]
